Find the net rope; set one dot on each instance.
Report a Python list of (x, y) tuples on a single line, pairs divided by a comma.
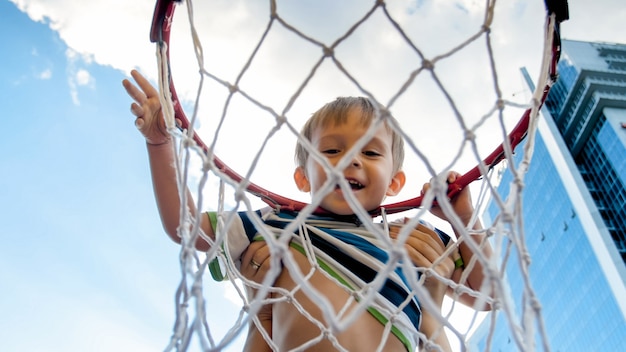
[(505, 233)]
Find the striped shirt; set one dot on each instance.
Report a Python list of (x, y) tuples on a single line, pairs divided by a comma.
[(348, 252)]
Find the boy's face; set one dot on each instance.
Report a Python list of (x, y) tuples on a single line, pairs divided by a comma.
[(370, 173)]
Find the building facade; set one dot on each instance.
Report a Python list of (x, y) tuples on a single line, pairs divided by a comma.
[(574, 210)]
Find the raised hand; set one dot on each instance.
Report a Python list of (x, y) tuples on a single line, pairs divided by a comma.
[(147, 109), (461, 202)]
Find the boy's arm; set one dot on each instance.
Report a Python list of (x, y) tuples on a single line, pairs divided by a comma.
[(425, 248), (255, 341), (476, 276), (147, 109), (161, 157), (254, 267), (464, 209), (433, 329)]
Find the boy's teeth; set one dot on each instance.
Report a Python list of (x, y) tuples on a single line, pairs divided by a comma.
[(355, 184)]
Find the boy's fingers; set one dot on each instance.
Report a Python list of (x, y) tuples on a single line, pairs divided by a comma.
[(425, 245), (262, 254), (143, 83), (432, 234), (136, 110), (139, 123), (452, 176), (134, 92), (130, 88), (418, 258), (257, 252)]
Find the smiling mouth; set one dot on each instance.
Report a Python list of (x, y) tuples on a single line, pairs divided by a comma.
[(355, 185)]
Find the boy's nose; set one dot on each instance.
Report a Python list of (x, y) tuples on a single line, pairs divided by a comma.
[(356, 162)]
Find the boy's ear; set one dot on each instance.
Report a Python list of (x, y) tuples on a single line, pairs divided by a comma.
[(301, 180), (396, 184)]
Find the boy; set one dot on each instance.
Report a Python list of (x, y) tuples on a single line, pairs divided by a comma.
[(372, 174)]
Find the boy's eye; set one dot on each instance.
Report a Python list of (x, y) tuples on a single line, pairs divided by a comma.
[(330, 151), (371, 153)]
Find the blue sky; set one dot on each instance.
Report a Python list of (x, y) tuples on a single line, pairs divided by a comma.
[(84, 263)]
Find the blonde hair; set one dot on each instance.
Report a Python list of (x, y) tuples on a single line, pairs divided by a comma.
[(336, 112)]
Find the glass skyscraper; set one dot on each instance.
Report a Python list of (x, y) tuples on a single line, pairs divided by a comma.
[(574, 208)]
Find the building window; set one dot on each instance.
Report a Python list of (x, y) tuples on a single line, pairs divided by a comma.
[(605, 185)]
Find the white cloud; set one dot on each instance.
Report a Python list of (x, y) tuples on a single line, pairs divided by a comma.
[(83, 78), (45, 74), (113, 33), (77, 76)]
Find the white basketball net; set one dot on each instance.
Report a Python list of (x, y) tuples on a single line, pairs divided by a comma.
[(397, 90)]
